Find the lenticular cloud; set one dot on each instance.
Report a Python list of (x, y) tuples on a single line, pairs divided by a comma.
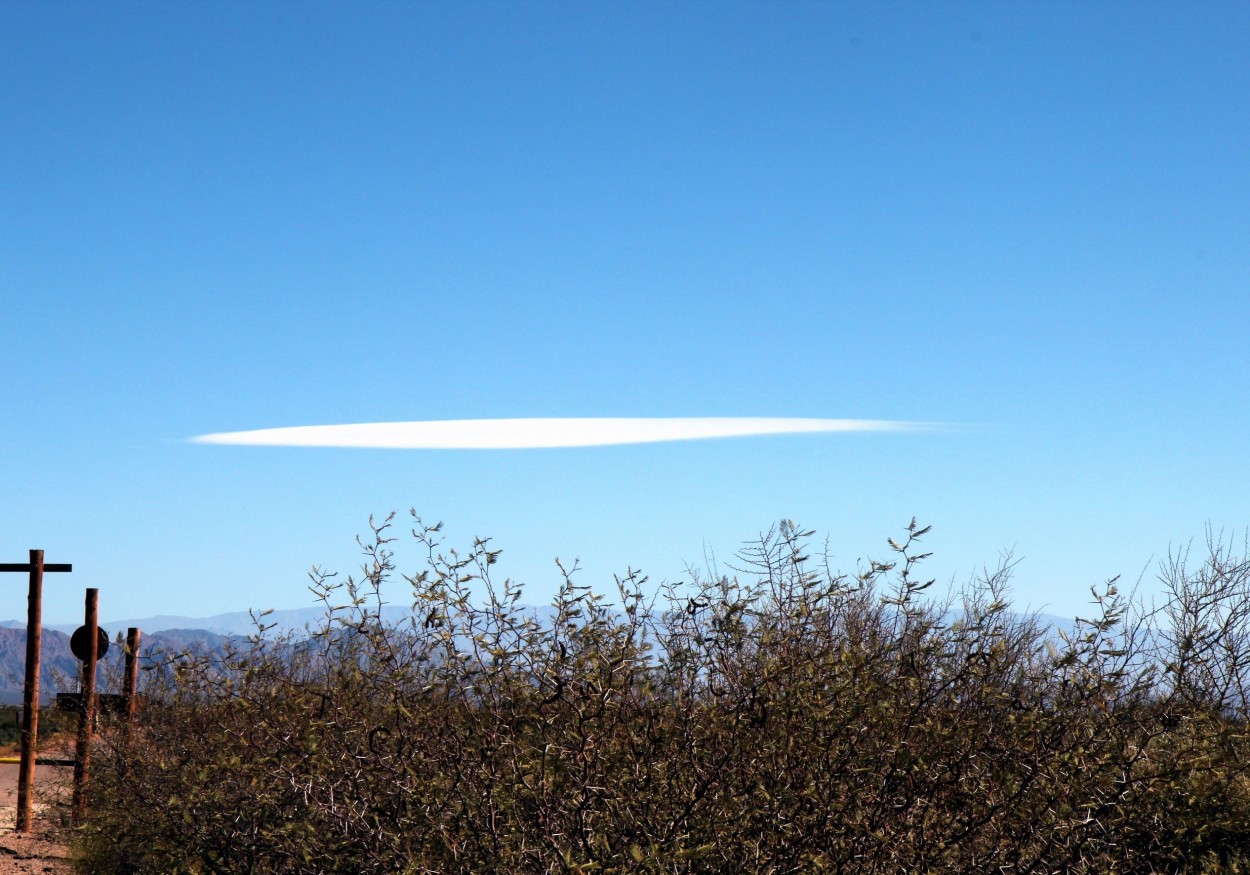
[(517, 434)]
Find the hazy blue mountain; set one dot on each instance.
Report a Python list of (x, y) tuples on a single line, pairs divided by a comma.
[(296, 619), (59, 668), (233, 623), (172, 634)]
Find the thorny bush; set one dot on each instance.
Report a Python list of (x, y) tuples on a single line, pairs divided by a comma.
[(786, 719)]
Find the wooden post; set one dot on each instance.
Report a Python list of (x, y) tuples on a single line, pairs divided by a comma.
[(30, 695), (30, 691), (132, 675), (86, 716)]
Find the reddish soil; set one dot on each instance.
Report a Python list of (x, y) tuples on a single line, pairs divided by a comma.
[(42, 850)]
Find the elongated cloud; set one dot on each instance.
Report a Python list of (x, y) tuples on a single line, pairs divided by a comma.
[(517, 434)]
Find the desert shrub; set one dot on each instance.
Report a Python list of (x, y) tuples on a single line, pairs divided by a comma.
[(53, 723), (785, 719)]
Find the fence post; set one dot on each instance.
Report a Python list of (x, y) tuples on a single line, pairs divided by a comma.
[(86, 716), (133, 636)]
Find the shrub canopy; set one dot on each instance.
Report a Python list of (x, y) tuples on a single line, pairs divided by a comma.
[(785, 719)]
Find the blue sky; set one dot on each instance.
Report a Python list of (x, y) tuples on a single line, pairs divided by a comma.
[(1029, 220)]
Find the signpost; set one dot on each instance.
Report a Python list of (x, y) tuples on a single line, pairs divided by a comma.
[(133, 636), (89, 643), (30, 693)]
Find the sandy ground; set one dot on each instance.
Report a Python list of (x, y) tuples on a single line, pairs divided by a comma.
[(41, 850)]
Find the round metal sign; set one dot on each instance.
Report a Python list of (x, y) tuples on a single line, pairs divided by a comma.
[(79, 641)]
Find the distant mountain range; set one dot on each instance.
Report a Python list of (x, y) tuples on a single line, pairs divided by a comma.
[(59, 668), (235, 623), (296, 620), (172, 633)]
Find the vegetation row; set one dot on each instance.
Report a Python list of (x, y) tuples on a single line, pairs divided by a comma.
[(782, 719)]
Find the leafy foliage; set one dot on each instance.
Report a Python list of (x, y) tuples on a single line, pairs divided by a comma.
[(53, 722), (787, 719)]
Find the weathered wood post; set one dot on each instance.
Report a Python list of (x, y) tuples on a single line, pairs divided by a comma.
[(30, 691), (133, 636), (89, 653)]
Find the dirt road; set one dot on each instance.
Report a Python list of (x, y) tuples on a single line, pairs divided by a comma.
[(41, 850)]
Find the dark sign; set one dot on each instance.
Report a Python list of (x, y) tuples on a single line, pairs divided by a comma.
[(79, 642), (108, 703)]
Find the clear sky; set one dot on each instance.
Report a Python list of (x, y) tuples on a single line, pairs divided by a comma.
[(1028, 220)]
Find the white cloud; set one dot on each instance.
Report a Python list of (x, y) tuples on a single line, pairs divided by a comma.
[(516, 434)]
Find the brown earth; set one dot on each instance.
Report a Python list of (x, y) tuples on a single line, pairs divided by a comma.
[(42, 850)]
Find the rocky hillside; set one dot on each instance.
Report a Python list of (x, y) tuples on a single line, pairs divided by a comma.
[(59, 667)]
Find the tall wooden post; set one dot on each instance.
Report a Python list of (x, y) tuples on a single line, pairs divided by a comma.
[(86, 716), (30, 695), (30, 691), (132, 675)]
